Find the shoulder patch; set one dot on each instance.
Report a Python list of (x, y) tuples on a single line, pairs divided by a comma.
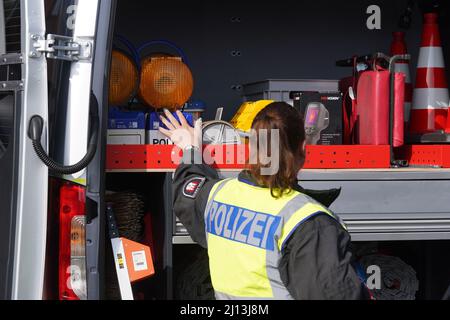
[(193, 186)]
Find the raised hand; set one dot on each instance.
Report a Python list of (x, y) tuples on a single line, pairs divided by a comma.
[(180, 132)]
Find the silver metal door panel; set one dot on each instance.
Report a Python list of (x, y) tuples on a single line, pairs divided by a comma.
[(31, 220), (77, 122), (2, 29)]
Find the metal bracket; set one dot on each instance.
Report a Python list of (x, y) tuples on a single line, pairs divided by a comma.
[(11, 86), (61, 48), (11, 58)]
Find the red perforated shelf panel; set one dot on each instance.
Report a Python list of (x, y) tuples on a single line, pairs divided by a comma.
[(347, 157), (166, 158), (426, 155)]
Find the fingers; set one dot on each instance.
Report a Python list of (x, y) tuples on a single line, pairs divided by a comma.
[(167, 123), (182, 118), (166, 132), (180, 132), (172, 119)]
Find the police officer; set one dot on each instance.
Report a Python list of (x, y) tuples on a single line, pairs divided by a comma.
[(266, 238)]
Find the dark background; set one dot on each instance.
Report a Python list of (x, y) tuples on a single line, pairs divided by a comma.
[(281, 39)]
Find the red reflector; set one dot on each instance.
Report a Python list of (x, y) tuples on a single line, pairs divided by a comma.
[(72, 205)]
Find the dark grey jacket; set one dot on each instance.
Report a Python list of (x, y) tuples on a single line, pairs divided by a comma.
[(316, 263)]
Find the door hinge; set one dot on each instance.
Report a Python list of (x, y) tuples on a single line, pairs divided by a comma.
[(61, 48)]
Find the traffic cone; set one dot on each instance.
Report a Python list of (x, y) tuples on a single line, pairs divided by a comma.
[(431, 97), (399, 47)]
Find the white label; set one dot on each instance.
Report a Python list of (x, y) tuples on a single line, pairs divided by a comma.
[(139, 261), (157, 138), (126, 136)]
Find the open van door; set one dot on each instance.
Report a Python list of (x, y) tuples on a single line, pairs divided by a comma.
[(41, 139), (23, 178), (76, 45)]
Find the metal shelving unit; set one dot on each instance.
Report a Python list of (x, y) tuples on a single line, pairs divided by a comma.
[(384, 205), (390, 205), (377, 204)]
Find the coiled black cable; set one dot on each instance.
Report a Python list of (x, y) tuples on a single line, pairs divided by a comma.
[(35, 134)]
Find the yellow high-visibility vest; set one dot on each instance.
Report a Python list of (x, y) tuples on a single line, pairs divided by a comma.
[(247, 230)]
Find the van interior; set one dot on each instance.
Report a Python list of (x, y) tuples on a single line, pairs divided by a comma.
[(228, 44)]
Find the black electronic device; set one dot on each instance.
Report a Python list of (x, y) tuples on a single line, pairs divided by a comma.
[(322, 112)]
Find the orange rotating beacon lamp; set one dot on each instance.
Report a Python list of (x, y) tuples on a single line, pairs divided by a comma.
[(166, 80), (124, 79)]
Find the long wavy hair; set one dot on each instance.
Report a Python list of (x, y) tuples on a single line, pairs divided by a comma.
[(289, 123)]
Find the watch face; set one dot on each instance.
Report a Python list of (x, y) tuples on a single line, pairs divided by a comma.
[(219, 133)]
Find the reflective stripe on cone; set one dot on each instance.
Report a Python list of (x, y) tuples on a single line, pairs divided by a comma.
[(431, 57), (431, 99)]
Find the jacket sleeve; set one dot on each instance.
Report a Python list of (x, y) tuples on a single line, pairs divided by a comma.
[(192, 185), (316, 263)]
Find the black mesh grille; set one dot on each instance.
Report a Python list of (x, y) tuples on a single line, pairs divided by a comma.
[(12, 25)]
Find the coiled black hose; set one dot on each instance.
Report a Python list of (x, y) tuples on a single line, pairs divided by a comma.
[(35, 134)]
